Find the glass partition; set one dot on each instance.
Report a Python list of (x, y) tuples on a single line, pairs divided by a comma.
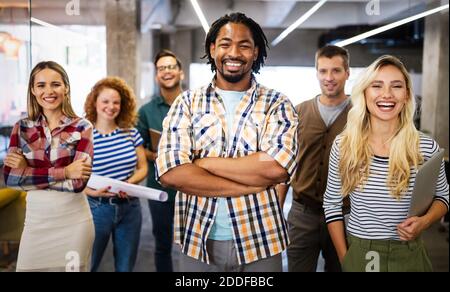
[(71, 33), (14, 65)]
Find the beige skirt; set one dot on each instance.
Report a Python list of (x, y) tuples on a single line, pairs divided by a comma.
[(58, 234)]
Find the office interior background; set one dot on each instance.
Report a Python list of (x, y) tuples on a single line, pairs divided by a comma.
[(93, 39)]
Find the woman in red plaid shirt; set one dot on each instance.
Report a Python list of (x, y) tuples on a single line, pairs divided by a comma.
[(49, 156)]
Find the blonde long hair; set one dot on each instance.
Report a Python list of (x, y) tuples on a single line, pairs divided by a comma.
[(356, 154), (34, 109)]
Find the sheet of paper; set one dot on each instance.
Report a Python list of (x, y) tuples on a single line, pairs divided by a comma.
[(98, 182)]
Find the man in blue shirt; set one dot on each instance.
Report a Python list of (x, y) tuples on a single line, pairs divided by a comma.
[(169, 75)]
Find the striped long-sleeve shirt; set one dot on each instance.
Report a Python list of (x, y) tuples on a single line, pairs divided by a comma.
[(374, 213), (196, 127), (115, 153), (48, 152)]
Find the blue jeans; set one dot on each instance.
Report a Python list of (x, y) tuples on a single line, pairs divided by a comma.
[(122, 219), (162, 217)]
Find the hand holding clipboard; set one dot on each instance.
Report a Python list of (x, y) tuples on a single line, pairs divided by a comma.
[(155, 136)]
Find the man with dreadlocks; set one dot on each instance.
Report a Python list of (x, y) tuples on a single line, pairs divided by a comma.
[(225, 147)]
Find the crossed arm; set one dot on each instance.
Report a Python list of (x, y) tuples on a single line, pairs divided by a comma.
[(18, 174), (226, 176)]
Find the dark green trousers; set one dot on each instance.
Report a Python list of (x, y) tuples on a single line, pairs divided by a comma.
[(365, 255)]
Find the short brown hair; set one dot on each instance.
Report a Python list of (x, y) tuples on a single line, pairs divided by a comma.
[(331, 51), (167, 53), (127, 117), (33, 107)]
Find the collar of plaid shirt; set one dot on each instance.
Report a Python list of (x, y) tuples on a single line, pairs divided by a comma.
[(63, 120), (251, 91)]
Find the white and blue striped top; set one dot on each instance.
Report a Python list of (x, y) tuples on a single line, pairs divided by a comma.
[(115, 153), (374, 213)]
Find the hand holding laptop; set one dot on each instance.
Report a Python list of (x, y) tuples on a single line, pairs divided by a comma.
[(425, 185), (422, 197)]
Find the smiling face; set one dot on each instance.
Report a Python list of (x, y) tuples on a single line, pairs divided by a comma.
[(234, 52), (332, 75), (108, 105), (168, 73), (49, 90), (387, 95)]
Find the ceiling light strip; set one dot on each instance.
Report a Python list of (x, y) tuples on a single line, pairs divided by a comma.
[(297, 23), (200, 15), (389, 26), (65, 31)]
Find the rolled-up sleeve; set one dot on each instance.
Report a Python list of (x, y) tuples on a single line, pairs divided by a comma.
[(279, 137), (29, 178), (175, 146), (42, 175)]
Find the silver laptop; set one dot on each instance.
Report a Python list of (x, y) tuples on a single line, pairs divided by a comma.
[(425, 185)]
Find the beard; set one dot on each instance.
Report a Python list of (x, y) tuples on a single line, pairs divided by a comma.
[(233, 78), (332, 94), (335, 94)]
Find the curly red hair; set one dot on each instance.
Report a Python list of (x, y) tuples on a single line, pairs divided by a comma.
[(127, 117)]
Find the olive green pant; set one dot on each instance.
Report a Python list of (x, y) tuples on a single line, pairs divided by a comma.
[(365, 255)]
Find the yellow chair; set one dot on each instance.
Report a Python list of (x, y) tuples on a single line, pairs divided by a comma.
[(12, 216)]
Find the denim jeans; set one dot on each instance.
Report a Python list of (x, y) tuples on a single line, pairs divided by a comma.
[(122, 219), (162, 217)]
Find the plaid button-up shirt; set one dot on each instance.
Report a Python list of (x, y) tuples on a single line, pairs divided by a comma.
[(48, 152), (196, 127)]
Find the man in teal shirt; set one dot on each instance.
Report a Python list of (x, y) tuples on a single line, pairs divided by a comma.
[(169, 75)]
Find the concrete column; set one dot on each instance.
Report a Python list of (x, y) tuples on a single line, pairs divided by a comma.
[(123, 40), (435, 95), (182, 46), (147, 73)]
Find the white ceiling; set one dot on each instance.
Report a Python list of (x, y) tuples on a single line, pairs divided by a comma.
[(280, 13), (174, 14)]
